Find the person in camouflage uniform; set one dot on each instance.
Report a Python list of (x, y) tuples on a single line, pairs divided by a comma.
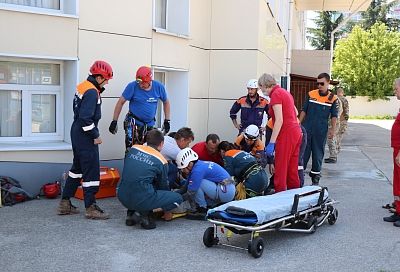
[(333, 142), (344, 117)]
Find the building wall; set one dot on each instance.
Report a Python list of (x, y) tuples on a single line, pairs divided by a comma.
[(223, 51), (310, 62)]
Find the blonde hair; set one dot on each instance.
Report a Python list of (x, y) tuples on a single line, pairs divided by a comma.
[(266, 80)]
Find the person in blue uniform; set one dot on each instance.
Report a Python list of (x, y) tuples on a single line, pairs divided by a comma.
[(319, 106), (144, 184), (143, 95), (208, 183), (85, 138), (244, 167)]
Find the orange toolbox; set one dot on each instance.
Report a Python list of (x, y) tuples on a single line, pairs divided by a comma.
[(109, 178)]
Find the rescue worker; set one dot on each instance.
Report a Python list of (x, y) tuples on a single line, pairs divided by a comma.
[(319, 106), (208, 182), (144, 183), (249, 175), (395, 143), (143, 95), (172, 145), (208, 150), (85, 138), (333, 142), (249, 141), (251, 107), (344, 117), (286, 134)]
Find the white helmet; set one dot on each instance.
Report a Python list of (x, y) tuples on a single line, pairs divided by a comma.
[(185, 156), (252, 83), (251, 132)]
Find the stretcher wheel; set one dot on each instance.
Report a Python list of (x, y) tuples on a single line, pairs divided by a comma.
[(333, 217), (256, 247), (208, 237)]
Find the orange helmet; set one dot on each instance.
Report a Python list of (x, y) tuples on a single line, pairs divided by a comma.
[(102, 68), (144, 74)]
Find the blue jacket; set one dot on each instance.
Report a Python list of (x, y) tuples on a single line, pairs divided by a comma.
[(319, 108), (250, 113)]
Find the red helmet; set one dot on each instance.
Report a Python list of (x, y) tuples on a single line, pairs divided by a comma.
[(51, 190), (102, 68), (144, 74)]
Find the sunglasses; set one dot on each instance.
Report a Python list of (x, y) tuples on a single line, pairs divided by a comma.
[(320, 83)]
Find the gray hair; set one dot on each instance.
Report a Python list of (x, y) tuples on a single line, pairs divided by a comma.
[(266, 80)]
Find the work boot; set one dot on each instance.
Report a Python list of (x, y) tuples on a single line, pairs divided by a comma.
[(94, 212), (393, 218), (65, 207), (132, 218), (315, 180), (199, 214), (330, 160), (397, 223), (147, 221)]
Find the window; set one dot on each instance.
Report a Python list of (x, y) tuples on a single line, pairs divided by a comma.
[(172, 16), (176, 84), (30, 99), (160, 76), (46, 4)]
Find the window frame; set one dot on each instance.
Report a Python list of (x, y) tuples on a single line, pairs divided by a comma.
[(166, 30), (67, 9), (26, 93)]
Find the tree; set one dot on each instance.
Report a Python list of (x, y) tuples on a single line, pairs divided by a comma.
[(378, 12), (325, 22), (368, 61)]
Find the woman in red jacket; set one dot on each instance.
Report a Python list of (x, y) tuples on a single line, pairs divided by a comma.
[(286, 134)]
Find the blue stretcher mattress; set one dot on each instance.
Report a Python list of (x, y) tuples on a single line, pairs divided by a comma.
[(263, 209)]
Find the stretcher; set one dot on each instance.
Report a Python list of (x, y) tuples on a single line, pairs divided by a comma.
[(298, 210)]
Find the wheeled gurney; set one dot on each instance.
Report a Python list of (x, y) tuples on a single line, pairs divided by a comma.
[(297, 210)]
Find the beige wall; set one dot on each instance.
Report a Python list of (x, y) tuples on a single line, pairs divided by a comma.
[(38, 35), (310, 62), (360, 106), (229, 43)]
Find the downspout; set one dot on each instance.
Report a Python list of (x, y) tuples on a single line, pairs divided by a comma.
[(289, 43), (337, 29)]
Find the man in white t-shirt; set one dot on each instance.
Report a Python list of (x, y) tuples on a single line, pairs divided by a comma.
[(173, 143)]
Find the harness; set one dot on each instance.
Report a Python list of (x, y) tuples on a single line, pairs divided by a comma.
[(134, 133)]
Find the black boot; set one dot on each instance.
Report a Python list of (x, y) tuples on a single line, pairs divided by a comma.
[(132, 218), (393, 218), (330, 160), (147, 221), (315, 179)]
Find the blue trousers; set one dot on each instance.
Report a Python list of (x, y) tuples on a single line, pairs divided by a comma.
[(216, 193), (316, 141)]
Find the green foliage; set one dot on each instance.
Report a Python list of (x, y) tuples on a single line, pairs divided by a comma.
[(326, 22), (377, 12), (367, 62)]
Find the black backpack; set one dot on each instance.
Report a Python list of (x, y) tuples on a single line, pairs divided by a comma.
[(12, 192)]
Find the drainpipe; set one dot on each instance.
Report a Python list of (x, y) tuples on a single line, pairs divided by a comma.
[(289, 43), (338, 28)]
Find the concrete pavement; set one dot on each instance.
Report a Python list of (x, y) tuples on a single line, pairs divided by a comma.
[(34, 238)]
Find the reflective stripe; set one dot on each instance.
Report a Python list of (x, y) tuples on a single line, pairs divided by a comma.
[(79, 95), (312, 172), (73, 175), (177, 205), (98, 101), (90, 183), (300, 167), (321, 103), (87, 128)]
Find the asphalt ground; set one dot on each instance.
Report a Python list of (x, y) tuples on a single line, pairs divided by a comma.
[(34, 238)]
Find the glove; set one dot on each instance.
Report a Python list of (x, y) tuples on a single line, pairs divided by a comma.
[(269, 150), (113, 127), (166, 126)]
